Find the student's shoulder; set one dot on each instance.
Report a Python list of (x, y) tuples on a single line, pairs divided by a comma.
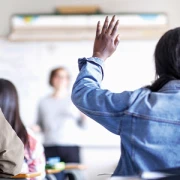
[(138, 94)]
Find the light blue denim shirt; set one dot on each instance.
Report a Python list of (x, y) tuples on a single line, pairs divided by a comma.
[(147, 122)]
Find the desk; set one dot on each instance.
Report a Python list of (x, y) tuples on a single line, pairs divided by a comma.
[(75, 166), (26, 175), (53, 171), (125, 178), (70, 168), (168, 177)]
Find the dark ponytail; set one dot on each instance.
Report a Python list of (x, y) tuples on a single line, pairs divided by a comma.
[(167, 59), (160, 82)]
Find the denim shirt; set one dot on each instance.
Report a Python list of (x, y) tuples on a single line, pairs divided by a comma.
[(148, 123)]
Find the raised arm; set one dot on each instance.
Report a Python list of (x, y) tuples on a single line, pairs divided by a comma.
[(99, 104), (11, 150)]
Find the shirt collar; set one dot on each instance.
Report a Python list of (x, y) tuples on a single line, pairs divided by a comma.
[(171, 85)]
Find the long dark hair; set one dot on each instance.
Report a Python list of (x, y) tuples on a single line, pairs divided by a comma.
[(167, 59), (9, 105)]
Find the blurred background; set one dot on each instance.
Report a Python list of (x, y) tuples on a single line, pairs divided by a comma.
[(37, 36)]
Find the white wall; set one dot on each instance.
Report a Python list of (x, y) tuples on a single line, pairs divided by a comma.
[(27, 65), (25, 60), (9, 7)]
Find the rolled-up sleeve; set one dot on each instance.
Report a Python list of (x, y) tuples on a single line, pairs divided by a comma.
[(99, 104), (11, 150)]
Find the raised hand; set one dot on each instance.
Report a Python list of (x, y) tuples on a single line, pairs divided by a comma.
[(106, 40)]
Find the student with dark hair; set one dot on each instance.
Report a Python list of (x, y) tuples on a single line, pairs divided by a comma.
[(147, 119), (33, 151), (60, 120)]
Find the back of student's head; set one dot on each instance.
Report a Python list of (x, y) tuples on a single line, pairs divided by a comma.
[(167, 59), (9, 105)]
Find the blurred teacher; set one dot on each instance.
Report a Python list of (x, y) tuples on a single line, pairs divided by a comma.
[(59, 119)]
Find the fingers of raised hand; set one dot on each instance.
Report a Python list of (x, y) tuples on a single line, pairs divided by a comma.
[(105, 26), (111, 25), (116, 42), (98, 29), (110, 29), (115, 28)]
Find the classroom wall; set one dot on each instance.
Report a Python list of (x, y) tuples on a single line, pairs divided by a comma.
[(9, 7), (99, 157), (27, 65)]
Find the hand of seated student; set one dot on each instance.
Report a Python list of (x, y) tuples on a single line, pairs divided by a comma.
[(106, 40)]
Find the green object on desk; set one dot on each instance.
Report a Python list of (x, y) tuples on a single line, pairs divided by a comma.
[(57, 166)]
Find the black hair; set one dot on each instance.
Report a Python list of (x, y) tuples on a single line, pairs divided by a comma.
[(167, 59), (9, 105)]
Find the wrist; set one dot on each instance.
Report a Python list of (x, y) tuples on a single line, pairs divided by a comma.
[(99, 55)]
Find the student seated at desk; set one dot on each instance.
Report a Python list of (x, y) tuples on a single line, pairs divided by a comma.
[(11, 150), (33, 151), (147, 119)]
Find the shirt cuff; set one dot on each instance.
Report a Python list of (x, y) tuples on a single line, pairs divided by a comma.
[(94, 60)]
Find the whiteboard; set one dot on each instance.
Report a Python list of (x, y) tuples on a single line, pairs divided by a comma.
[(27, 65)]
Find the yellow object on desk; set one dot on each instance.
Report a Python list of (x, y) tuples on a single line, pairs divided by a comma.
[(26, 175)]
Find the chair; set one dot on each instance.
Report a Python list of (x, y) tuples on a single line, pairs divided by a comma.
[(50, 173), (75, 170)]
